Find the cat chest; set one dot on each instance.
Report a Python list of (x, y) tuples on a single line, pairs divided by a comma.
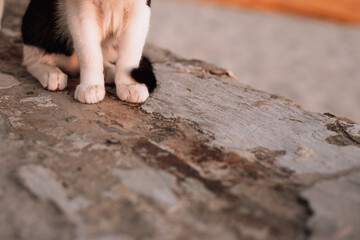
[(112, 17)]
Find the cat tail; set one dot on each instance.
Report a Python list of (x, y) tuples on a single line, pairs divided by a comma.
[(145, 74)]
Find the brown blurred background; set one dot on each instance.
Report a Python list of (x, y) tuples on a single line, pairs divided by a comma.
[(342, 10)]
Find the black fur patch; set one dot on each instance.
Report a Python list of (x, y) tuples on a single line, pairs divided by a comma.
[(39, 28), (145, 74), (148, 2)]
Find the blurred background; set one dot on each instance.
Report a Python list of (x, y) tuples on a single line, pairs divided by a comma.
[(306, 50)]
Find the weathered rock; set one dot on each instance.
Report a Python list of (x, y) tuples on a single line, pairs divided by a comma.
[(204, 158), (7, 81), (338, 218), (155, 184), (243, 118)]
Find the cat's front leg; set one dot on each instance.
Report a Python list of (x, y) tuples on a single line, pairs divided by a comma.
[(87, 43), (131, 45)]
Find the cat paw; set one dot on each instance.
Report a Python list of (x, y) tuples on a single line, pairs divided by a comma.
[(89, 93), (54, 81), (134, 93)]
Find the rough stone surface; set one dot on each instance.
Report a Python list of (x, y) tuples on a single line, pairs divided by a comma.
[(155, 184), (344, 207), (243, 118), (7, 81), (204, 158), (315, 63)]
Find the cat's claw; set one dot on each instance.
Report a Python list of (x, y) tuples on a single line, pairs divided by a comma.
[(134, 93), (89, 93), (54, 81)]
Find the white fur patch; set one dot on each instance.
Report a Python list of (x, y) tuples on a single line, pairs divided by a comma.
[(89, 93), (54, 80), (134, 93), (44, 68)]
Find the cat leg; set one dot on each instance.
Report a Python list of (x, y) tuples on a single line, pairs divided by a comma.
[(43, 67), (84, 29), (131, 45)]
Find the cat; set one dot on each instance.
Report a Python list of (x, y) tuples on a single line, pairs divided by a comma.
[(102, 40)]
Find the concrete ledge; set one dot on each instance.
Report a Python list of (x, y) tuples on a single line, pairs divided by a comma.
[(205, 158)]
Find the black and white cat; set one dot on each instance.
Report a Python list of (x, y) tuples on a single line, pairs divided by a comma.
[(102, 40)]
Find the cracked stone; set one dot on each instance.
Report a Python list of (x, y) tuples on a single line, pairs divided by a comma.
[(100, 114), (43, 100), (43, 184), (158, 185), (336, 207), (236, 122), (8, 81), (72, 119), (348, 133)]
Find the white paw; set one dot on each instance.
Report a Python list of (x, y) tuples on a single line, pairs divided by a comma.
[(89, 93), (109, 72), (54, 81), (134, 93)]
